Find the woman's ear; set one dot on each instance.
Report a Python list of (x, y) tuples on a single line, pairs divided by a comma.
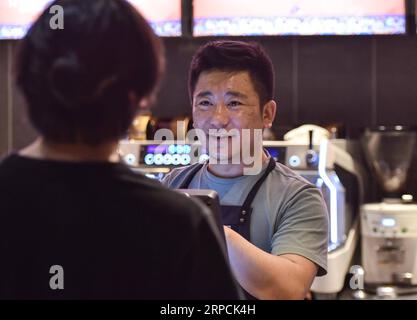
[(143, 104), (268, 113), (133, 99), (148, 101)]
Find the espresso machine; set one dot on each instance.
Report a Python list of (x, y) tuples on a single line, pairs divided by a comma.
[(144, 152), (389, 227), (156, 158), (335, 167)]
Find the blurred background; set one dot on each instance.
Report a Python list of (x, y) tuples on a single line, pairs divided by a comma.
[(341, 64), (346, 62)]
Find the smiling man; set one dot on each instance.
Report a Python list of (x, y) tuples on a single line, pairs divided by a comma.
[(276, 221), (231, 140)]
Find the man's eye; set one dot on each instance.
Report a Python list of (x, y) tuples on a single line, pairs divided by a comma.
[(234, 104), (204, 103)]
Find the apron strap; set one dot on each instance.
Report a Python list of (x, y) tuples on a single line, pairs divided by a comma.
[(189, 177), (252, 194)]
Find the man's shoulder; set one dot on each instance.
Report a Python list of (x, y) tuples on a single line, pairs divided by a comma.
[(286, 187), (177, 175), (182, 170), (289, 177)]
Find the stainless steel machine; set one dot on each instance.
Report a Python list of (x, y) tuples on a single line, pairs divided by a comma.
[(157, 158), (389, 228)]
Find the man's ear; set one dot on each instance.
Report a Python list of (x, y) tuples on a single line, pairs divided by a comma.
[(268, 113)]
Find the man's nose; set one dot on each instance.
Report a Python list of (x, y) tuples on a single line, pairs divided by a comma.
[(220, 116)]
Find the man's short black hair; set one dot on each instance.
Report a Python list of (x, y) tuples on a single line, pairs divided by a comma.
[(229, 55), (77, 80)]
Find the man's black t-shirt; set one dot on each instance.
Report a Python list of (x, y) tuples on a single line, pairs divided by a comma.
[(101, 231)]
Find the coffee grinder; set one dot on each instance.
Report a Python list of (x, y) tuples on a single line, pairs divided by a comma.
[(389, 228)]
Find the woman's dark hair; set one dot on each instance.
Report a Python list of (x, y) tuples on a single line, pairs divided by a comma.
[(78, 81), (229, 55)]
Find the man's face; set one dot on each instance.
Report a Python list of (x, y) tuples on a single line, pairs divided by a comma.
[(227, 100)]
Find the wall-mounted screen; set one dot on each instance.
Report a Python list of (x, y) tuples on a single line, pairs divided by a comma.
[(16, 16), (163, 15), (298, 17)]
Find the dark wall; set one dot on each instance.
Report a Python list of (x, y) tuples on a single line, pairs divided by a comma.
[(4, 98), (354, 81), (15, 129)]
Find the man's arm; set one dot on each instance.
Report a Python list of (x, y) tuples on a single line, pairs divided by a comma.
[(267, 276), (298, 249)]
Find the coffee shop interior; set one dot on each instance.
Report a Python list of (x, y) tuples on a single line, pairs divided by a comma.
[(346, 77)]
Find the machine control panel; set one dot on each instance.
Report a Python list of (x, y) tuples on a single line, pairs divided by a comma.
[(389, 224), (145, 154), (297, 157), (151, 154)]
